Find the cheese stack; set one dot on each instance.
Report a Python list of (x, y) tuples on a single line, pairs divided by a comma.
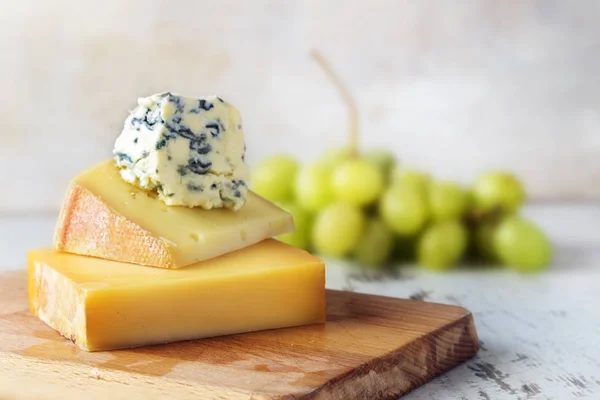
[(166, 242)]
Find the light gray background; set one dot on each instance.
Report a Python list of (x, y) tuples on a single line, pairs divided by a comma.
[(452, 87)]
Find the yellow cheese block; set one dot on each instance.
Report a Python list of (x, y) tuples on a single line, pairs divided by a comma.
[(104, 216), (102, 305)]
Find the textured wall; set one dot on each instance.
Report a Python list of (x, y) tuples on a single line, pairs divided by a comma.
[(453, 87)]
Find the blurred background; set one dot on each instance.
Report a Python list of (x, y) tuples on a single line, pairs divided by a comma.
[(453, 88)]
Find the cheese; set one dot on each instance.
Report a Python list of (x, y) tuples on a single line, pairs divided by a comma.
[(106, 217), (190, 151), (103, 305)]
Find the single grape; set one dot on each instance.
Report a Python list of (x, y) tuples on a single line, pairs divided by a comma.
[(404, 209), (300, 237), (313, 187), (313, 183), (447, 200), (376, 244), (337, 229), (522, 245), (483, 240), (382, 158), (273, 178), (498, 189), (442, 245), (357, 182), (411, 177), (336, 156)]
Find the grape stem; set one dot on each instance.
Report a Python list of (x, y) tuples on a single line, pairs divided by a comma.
[(474, 216), (344, 93)]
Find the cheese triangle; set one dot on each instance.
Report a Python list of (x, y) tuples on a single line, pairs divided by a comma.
[(104, 216)]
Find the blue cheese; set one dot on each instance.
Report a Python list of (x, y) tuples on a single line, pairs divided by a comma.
[(189, 151)]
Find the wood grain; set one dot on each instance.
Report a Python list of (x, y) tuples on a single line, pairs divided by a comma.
[(372, 347)]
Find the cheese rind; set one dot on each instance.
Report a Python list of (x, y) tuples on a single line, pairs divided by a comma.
[(189, 151), (104, 216), (103, 305)]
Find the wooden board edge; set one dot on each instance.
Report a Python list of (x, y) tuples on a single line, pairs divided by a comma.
[(398, 373), (25, 378)]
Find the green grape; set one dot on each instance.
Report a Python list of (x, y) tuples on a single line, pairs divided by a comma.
[(498, 189), (376, 244), (335, 156), (357, 182), (313, 187), (522, 245), (300, 237), (384, 159), (447, 201), (337, 229), (411, 177), (483, 240), (442, 245), (404, 209), (273, 178)]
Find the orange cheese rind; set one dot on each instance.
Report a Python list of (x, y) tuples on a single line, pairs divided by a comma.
[(88, 226)]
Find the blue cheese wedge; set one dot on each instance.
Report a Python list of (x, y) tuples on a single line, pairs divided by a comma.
[(189, 151)]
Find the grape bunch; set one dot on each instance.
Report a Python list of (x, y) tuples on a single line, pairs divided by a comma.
[(364, 207)]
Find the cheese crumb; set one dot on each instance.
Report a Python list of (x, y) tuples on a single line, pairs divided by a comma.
[(96, 373)]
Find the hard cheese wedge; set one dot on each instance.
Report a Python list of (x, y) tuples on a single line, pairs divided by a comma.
[(106, 217), (102, 305)]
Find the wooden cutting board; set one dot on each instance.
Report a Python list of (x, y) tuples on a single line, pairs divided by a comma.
[(372, 347)]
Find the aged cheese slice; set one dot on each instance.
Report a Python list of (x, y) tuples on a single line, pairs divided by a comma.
[(104, 216), (102, 305)]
